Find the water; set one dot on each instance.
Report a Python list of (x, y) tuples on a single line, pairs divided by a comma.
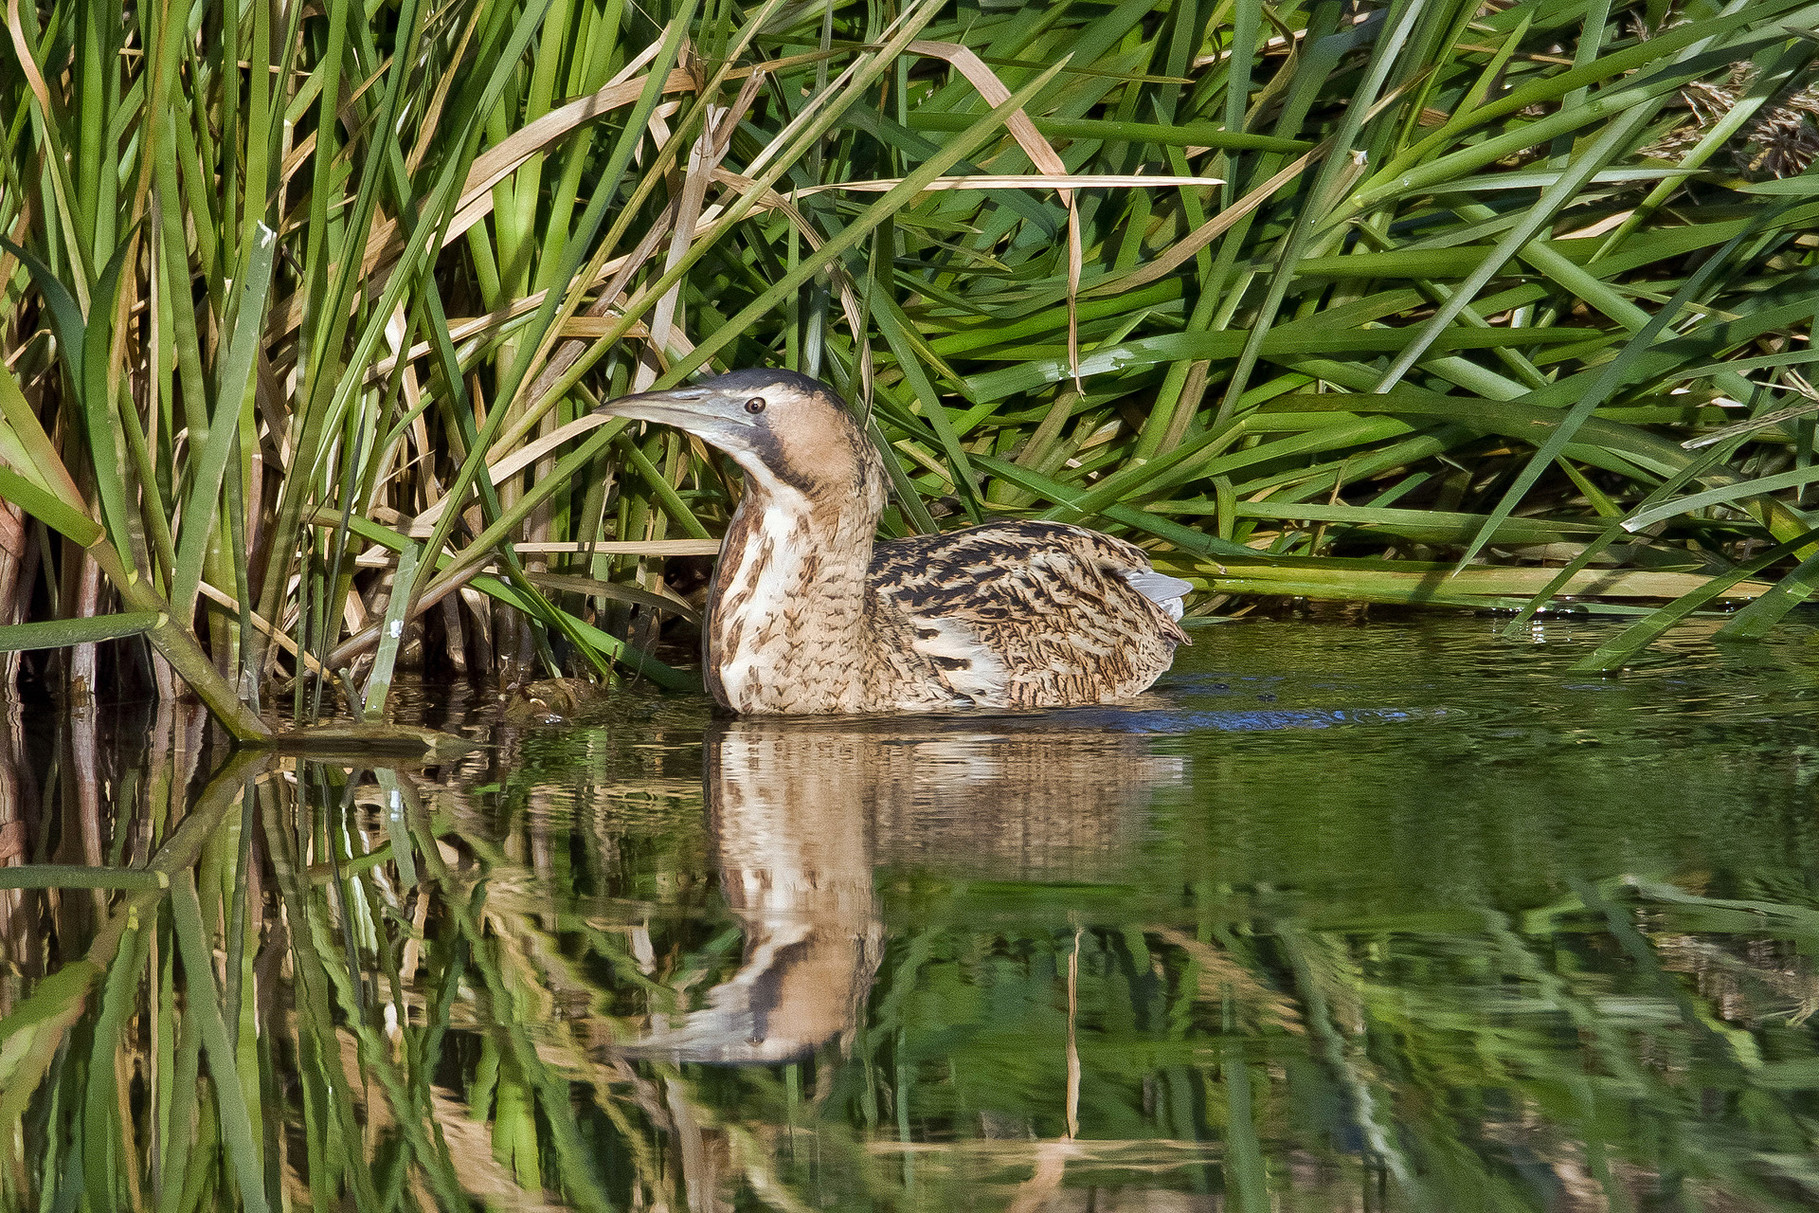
[(1400, 916)]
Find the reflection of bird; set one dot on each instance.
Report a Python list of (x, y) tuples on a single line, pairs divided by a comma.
[(792, 844), (799, 811), (807, 616)]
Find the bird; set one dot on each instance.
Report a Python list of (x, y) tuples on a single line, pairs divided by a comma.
[(809, 614)]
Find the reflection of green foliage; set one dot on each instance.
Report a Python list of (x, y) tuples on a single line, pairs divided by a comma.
[(1475, 1028)]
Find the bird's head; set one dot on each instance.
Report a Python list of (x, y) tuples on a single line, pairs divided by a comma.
[(775, 424)]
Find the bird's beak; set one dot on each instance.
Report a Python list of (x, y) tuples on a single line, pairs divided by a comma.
[(711, 415)]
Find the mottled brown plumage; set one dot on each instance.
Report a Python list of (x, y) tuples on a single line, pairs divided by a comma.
[(808, 616)]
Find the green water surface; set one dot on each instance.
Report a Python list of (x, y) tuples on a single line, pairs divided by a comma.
[(1399, 916)]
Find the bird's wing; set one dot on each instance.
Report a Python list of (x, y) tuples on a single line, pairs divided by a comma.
[(1022, 613)]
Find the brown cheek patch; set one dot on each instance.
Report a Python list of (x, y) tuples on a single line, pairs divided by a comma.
[(814, 457)]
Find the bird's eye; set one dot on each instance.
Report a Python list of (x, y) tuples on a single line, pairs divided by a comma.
[(755, 405)]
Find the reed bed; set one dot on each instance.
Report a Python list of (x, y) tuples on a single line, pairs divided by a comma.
[(305, 309)]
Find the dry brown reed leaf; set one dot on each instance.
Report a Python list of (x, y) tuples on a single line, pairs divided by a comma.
[(599, 325), (1043, 155), (624, 547), (658, 596), (460, 329), (1215, 227), (1184, 249), (489, 168), (508, 465), (704, 157), (589, 326), (506, 157), (280, 637), (1609, 223), (564, 354), (22, 47), (432, 115), (396, 330), (1012, 181), (299, 155)]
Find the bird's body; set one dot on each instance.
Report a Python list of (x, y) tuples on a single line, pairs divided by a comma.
[(808, 615)]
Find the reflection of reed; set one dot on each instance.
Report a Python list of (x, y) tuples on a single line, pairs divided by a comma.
[(17, 796), (797, 810), (61, 801), (425, 997)]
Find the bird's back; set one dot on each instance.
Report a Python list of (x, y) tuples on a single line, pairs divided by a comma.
[(1020, 614)]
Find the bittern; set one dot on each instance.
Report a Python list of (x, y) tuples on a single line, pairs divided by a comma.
[(809, 614)]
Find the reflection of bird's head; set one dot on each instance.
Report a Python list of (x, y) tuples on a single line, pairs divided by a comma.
[(777, 425), (787, 814), (798, 988)]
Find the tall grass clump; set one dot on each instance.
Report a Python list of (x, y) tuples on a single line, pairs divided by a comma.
[(304, 309)]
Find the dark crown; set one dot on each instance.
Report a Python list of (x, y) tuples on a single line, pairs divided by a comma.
[(758, 378)]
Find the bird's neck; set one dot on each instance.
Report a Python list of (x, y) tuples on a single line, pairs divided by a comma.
[(787, 617)]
